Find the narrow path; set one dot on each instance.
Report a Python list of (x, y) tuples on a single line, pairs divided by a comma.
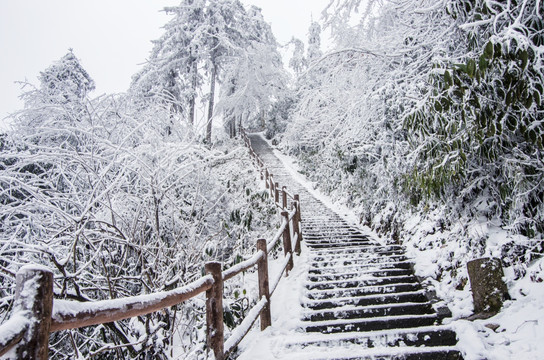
[(361, 299)]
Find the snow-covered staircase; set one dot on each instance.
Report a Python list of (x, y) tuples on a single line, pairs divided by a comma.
[(361, 298)]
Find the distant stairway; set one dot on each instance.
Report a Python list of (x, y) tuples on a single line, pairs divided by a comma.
[(362, 300)]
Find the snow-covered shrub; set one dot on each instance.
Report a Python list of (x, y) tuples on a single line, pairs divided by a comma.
[(120, 200)]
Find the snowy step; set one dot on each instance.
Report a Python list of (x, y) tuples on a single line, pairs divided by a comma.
[(361, 353), (422, 336), (361, 312), (356, 249), (367, 300), (361, 253), (376, 259), (371, 324), (342, 284), (334, 267), (328, 233), (327, 276), (362, 291), (340, 269), (361, 299)]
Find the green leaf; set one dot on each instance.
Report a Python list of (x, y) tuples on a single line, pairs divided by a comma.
[(483, 64), (511, 123), (496, 50), (448, 79), (471, 68), (524, 56), (488, 51)]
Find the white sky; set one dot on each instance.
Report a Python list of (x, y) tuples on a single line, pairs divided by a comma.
[(112, 38)]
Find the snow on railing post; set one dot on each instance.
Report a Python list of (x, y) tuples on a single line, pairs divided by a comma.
[(296, 197), (287, 249), (264, 290), (271, 181), (266, 177), (296, 228), (214, 310), (276, 192), (34, 296), (284, 198)]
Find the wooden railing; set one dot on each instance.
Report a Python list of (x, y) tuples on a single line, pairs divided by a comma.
[(35, 314)]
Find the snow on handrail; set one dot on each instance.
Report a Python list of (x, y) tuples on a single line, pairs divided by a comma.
[(292, 214), (272, 243), (295, 239), (13, 331), (73, 314), (280, 274), (241, 330), (243, 266)]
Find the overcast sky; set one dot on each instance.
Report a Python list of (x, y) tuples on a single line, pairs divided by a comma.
[(112, 38)]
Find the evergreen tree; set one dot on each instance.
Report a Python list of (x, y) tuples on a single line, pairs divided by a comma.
[(297, 61), (314, 43)]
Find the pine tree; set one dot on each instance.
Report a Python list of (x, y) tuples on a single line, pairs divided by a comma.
[(314, 43)]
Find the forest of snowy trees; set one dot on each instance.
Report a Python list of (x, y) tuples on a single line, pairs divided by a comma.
[(422, 109), (431, 109)]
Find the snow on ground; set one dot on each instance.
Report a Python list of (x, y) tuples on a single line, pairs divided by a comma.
[(286, 311), (517, 331)]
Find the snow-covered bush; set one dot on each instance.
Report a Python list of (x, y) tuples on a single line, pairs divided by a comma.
[(118, 200), (426, 119)]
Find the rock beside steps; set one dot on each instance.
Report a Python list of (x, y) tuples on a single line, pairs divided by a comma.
[(362, 301)]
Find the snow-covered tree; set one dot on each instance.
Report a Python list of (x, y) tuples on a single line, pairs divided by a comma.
[(314, 42), (200, 49), (255, 80), (479, 130), (171, 73), (116, 206), (61, 97), (297, 61)]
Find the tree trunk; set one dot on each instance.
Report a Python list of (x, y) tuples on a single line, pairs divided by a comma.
[(193, 95), (211, 103)]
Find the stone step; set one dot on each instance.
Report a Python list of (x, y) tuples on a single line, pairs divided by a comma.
[(428, 336), (349, 251), (371, 324), (369, 281), (361, 312), (360, 253), (329, 268), (366, 300), (362, 291), (336, 244), (360, 353), (323, 276), (374, 261)]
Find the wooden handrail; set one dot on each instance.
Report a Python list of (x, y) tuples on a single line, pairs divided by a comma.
[(243, 266), (37, 315), (13, 331), (73, 314)]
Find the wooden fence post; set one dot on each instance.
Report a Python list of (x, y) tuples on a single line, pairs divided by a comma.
[(34, 295), (287, 249), (214, 311), (298, 216), (296, 228), (284, 198), (271, 181), (262, 265), (276, 192), (266, 177)]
